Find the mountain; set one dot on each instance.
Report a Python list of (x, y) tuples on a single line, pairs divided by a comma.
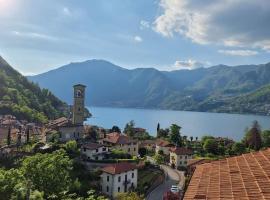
[(203, 89), (25, 99)]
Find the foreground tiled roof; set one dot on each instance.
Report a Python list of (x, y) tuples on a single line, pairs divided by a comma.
[(240, 177), (119, 168), (181, 151)]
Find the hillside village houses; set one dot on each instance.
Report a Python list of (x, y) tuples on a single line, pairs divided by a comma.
[(180, 156), (119, 177), (121, 142)]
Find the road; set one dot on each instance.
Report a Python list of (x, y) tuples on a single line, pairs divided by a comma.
[(172, 178)]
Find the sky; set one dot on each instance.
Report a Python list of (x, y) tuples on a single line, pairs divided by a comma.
[(39, 35)]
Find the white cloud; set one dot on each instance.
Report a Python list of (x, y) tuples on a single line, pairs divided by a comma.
[(238, 52), (138, 38), (238, 23), (144, 24), (66, 11), (33, 35), (188, 64)]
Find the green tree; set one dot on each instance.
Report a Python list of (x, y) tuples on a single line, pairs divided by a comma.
[(115, 129), (175, 136), (49, 173), (253, 137), (142, 151), (159, 159), (204, 138), (163, 133), (158, 127), (71, 147), (210, 146), (10, 181), (128, 196), (238, 148), (129, 128), (266, 138)]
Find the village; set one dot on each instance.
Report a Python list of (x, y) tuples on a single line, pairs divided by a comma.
[(152, 167)]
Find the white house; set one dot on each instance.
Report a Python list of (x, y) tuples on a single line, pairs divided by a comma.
[(118, 177), (71, 132), (94, 151), (179, 156), (164, 146)]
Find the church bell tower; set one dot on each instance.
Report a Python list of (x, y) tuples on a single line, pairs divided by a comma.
[(78, 105)]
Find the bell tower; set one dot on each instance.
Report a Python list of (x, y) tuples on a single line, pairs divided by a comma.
[(78, 105)]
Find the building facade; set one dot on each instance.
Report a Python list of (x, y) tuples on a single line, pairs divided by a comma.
[(180, 156), (78, 105), (94, 151), (119, 178)]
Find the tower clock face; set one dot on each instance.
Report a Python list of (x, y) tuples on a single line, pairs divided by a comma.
[(79, 93)]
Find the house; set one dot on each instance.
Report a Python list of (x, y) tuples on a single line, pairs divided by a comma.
[(121, 142), (94, 151), (239, 177), (70, 132), (179, 156), (164, 146), (119, 177), (150, 145)]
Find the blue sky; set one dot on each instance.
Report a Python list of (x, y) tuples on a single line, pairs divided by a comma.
[(39, 35)]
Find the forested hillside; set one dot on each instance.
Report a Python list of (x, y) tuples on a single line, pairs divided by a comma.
[(24, 99)]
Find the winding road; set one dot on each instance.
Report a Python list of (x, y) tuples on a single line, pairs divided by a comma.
[(172, 177)]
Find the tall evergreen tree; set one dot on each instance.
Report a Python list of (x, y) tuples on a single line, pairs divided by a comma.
[(253, 137), (158, 128), (27, 134), (9, 136)]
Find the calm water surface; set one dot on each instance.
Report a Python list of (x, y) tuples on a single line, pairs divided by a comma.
[(192, 123)]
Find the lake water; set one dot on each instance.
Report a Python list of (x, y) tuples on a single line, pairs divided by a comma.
[(192, 123)]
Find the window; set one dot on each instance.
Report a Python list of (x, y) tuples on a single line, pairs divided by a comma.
[(84, 149), (185, 157), (132, 175), (180, 162), (108, 178), (128, 149), (96, 158), (96, 150), (132, 185), (74, 134), (118, 189), (119, 178), (107, 188), (134, 149), (180, 157), (104, 149), (79, 109)]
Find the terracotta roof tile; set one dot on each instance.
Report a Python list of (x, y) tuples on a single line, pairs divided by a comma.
[(240, 177), (181, 151), (119, 168)]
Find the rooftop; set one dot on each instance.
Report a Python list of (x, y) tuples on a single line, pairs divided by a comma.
[(92, 146), (119, 168), (181, 151), (240, 177), (117, 138), (163, 143)]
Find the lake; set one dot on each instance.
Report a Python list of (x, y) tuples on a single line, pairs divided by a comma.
[(192, 123)]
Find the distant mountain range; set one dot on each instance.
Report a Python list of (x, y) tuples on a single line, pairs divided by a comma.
[(238, 89), (26, 100)]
